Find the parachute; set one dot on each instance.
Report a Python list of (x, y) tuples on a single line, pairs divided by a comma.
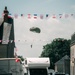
[(35, 29)]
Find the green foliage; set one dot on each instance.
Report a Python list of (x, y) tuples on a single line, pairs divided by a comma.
[(21, 57), (58, 48)]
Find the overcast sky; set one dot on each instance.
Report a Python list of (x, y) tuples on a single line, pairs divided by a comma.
[(50, 28)]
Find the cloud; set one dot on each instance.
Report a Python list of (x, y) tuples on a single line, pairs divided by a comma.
[(50, 29)]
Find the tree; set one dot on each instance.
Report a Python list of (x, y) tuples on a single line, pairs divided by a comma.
[(58, 48), (21, 57)]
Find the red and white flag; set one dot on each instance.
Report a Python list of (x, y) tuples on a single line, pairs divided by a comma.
[(35, 16), (29, 16)]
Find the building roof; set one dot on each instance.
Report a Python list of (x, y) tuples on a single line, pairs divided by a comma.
[(61, 61)]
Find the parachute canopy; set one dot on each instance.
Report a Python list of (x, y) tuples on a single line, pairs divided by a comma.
[(35, 29)]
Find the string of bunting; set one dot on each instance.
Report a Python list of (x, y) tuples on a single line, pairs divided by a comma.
[(41, 16), (19, 40)]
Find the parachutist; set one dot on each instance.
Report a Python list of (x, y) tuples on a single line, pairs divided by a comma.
[(31, 46)]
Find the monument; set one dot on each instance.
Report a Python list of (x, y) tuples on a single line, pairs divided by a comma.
[(7, 43)]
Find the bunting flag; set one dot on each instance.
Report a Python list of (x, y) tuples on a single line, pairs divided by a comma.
[(29, 16), (60, 15), (11, 41), (54, 16), (47, 15), (16, 16), (66, 15), (35, 16), (41, 16), (22, 15)]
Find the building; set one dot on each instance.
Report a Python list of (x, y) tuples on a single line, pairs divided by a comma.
[(63, 65), (72, 55), (7, 43), (9, 66)]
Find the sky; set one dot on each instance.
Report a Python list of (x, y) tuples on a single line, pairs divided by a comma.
[(50, 28)]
